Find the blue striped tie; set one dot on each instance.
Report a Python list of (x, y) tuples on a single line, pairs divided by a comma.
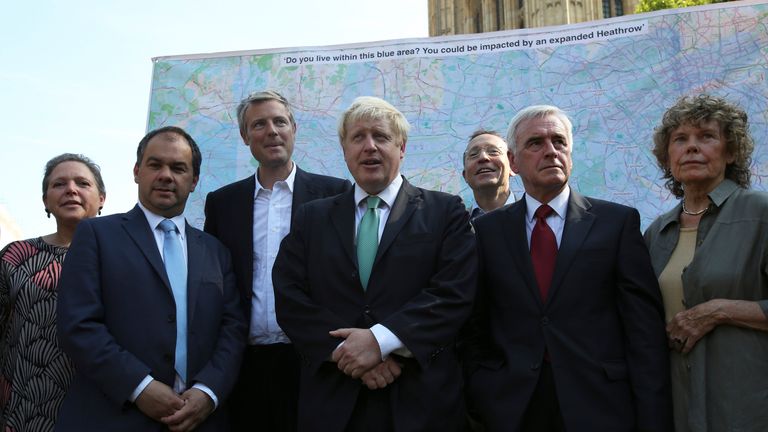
[(176, 268)]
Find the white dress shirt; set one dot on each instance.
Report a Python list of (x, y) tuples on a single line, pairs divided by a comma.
[(154, 220), (388, 342), (271, 223), (555, 220)]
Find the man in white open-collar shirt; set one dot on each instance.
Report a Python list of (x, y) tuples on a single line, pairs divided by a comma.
[(251, 216)]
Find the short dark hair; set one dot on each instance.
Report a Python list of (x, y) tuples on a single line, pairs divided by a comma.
[(699, 109), (72, 157), (197, 157)]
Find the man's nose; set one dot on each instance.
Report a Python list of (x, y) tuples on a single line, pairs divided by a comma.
[(165, 173), (549, 148), (369, 144)]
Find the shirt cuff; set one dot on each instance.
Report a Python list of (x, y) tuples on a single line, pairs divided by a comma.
[(387, 340), (205, 389), (140, 388)]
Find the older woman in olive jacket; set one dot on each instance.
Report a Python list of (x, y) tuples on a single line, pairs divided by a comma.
[(710, 253)]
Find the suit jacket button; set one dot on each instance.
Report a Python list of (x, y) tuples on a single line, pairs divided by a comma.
[(545, 321), (535, 366), (171, 318), (168, 358)]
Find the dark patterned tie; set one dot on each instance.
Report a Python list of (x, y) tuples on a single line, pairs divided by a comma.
[(543, 250)]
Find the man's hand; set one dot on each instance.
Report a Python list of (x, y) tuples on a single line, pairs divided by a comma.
[(157, 400), (197, 407), (382, 374), (359, 352)]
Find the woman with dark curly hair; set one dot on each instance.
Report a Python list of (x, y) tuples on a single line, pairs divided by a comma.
[(34, 372), (710, 254)]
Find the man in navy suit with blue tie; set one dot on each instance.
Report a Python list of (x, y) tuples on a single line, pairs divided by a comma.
[(148, 309), (568, 329)]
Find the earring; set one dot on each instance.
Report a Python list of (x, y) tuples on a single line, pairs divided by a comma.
[(100, 210), (48, 212)]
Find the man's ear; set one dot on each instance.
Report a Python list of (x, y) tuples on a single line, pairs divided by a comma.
[(512, 164)]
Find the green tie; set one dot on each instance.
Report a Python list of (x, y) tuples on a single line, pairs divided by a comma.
[(368, 240)]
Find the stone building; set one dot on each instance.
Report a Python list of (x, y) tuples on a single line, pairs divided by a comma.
[(449, 17)]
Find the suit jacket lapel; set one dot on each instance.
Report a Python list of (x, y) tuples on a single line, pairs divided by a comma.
[(343, 220), (303, 191), (242, 220), (138, 229), (514, 229), (578, 222), (195, 263), (407, 201)]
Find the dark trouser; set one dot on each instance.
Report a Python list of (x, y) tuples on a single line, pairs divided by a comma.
[(267, 392), (543, 412), (372, 413)]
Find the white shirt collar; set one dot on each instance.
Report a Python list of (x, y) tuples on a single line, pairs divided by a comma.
[(559, 204), (388, 195), (155, 219), (288, 180)]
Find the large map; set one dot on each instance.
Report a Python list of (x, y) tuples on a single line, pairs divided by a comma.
[(615, 78)]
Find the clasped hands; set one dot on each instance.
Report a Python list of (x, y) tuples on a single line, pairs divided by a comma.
[(360, 357), (180, 412), (686, 328)]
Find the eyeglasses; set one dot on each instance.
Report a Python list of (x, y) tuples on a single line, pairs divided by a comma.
[(491, 151)]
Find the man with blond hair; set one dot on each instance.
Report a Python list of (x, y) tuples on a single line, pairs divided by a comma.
[(373, 285)]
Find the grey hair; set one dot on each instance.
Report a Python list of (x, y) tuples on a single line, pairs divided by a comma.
[(72, 157), (537, 111)]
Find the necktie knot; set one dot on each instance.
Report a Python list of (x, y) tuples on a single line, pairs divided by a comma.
[(372, 202), (543, 212), (167, 226)]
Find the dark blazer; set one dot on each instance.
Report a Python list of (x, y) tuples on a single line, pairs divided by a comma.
[(421, 288), (602, 323), (229, 217), (116, 320)]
